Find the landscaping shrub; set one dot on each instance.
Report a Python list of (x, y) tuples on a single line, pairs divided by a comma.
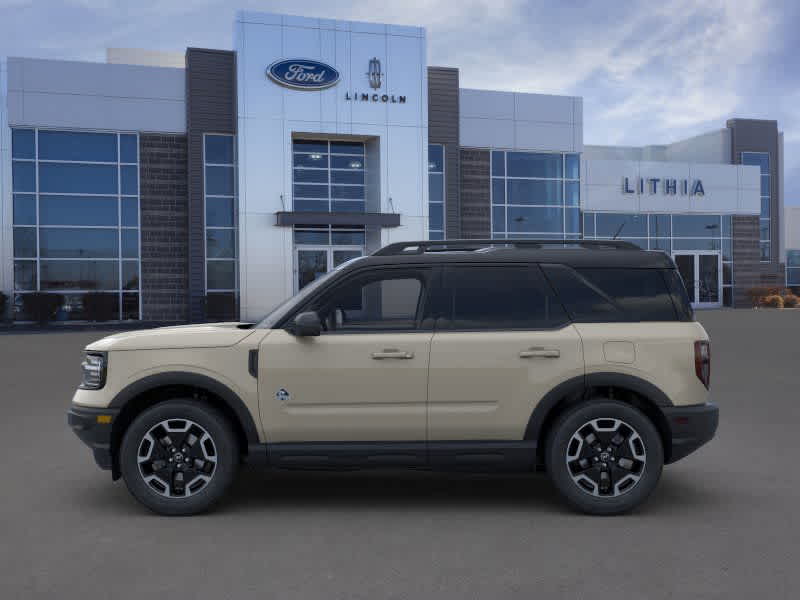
[(790, 301), (757, 295), (773, 301), (98, 306), (41, 306)]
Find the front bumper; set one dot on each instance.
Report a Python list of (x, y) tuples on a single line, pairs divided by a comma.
[(94, 432), (691, 427)]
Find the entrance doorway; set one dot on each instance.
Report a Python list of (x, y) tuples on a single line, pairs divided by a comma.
[(312, 262), (702, 274)]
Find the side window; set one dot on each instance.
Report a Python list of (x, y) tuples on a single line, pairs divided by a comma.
[(583, 301), (499, 297), (641, 293), (679, 297), (375, 302)]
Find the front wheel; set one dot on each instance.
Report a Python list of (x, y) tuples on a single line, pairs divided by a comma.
[(605, 457), (179, 457)]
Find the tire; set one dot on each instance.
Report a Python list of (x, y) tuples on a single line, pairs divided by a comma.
[(164, 431), (640, 452)]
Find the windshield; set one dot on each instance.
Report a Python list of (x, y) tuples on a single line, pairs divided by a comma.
[(287, 305)]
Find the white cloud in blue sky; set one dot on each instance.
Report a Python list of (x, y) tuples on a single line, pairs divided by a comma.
[(649, 72)]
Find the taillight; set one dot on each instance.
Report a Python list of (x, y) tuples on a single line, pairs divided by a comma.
[(702, 361)]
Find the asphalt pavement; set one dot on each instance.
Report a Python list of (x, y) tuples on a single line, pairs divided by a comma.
[(723, 523)]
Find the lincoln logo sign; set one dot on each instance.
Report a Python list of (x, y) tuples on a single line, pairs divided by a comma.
[(667, 186), (302, 74)]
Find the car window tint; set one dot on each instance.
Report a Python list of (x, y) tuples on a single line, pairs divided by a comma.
[(500, 297), (583, 301), (641, 293), (373, 303)]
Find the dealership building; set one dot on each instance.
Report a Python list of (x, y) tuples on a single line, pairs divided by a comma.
[(213, 184)]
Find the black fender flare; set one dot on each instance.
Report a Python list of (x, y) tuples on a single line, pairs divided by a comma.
[(577, 387), (228, 396)]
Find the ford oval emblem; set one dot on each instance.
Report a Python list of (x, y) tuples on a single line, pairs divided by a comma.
[(303, 74)]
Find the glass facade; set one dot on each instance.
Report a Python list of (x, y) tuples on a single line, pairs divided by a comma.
[(76, 221), (221, 223), (793, 268), (535, 195), (761, 160), (436, 192), (669, 233), (321, 248), (328, 176)]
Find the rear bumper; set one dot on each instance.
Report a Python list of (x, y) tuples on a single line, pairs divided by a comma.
[(691, 427), (83, 421)]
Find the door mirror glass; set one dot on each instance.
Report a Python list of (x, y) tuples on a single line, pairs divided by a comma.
[(307, 324)]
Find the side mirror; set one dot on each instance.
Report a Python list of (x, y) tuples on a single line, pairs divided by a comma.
[(307, 324)]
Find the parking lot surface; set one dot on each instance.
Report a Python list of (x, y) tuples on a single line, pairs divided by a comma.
[(723, 523)]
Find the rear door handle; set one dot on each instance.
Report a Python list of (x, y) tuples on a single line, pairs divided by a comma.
[(392, 353), (540, 353)]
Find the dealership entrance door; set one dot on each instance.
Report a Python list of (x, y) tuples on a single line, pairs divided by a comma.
[(702, 274), (312, 262)]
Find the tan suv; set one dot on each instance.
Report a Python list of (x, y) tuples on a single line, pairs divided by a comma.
[(581, 358)]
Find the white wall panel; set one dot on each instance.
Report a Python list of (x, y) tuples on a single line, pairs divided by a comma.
[(540, 135), (486, 133), (486, 104)]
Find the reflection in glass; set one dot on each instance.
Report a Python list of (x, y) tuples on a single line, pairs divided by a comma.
[(79, 275), (78, 243)]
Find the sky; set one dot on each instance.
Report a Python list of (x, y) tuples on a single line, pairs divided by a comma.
[(649, 72)]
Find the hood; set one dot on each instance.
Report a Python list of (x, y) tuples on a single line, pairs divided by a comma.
[(206, 335)]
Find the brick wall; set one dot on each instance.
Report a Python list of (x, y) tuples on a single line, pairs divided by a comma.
[(164, 223), (476, 219), (748, 270)]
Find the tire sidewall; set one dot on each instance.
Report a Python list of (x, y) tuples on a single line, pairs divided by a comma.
[(559, 439), (217, 427)]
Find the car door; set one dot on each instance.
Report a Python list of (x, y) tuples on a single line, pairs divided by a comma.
[(365, 378), (502, 342)]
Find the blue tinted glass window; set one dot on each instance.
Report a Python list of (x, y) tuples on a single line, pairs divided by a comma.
[(727, 249), (764, 229), (663, 244), (572, 220), (588, 224), (77, 210), (660, 226), (696, 225), (348, 206), (220, 243), (25, 242), (765, 185), (573, 166), (498, 163), (315, 147), (759, 159), (498, 219), (24, 275), (313, 175), (572, 190), (436, 235), (355, 177), (24, 209), (435, 158), (219, 149), (347, 148), (221, 274), (531, 191), (78, 243), (312, 237), (726, 225), (80, 146), (23, 143), (793, 258), (436, 216), (77, 179), (128, 148), (348, 192), (621, 225), (130, 243), (129, 180), (535, 219), (219, 212), (130, 212), (23, 176), (436, 187), (348, 238), (79, 275), (219, 181), (765, 207), (310, 191), (695, 244), (311, 205), (130, 275), (337, 162), (529, 164), (498, 191), (320, 161)]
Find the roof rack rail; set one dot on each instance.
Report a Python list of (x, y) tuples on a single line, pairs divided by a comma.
[(422, 246)]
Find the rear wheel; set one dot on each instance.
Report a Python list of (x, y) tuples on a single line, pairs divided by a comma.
[(179, 457), (604, 456)]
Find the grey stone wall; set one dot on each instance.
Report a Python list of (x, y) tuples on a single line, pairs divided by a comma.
[(476, 219), (164, 227)]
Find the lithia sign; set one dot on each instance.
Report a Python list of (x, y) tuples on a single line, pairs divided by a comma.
[(306, 74), (667, 186)]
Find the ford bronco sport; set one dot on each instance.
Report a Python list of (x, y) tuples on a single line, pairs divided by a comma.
[(580, 358)]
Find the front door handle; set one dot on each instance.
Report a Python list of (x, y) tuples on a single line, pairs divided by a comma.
[(540, 353), (392, 353)]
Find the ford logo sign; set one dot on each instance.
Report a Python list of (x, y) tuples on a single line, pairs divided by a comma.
[(303, 74)]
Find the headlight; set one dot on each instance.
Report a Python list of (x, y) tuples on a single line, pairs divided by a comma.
[(93, 369)]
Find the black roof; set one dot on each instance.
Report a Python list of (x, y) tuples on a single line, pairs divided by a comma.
[(575, 253)]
